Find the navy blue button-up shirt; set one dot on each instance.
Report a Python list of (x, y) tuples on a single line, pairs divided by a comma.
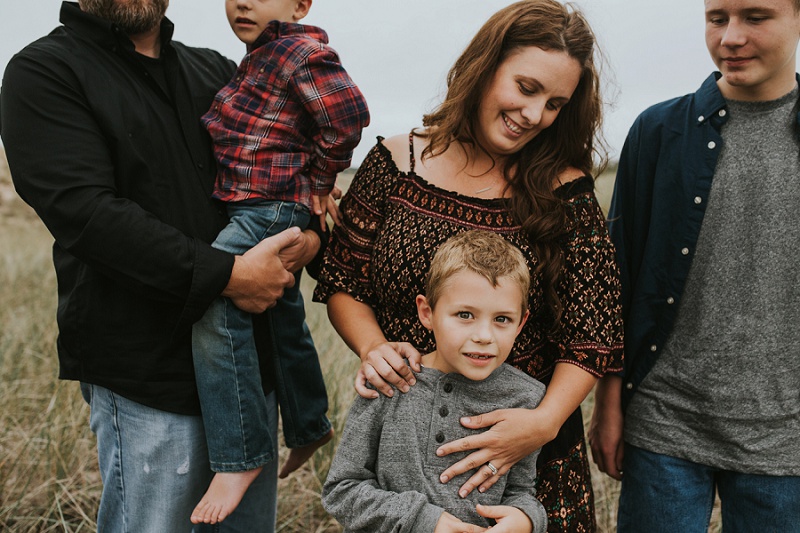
[(662, 187)]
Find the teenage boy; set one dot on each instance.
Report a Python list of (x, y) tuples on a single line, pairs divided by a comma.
[(385, 475), (706, 221), (283, 128)]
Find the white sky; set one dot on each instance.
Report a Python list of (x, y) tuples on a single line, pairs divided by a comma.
[(399, 51)]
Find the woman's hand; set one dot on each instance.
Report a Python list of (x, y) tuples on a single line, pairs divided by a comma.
[(509, 519), (450, 524), (513, 434), (384, 366)]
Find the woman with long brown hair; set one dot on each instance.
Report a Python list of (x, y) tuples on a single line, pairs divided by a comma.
[(510, 150)]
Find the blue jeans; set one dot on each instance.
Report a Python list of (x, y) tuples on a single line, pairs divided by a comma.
[(226, 362), (154, 467), (666, 494)]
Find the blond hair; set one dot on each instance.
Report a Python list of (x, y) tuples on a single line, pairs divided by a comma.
[(485, 253)]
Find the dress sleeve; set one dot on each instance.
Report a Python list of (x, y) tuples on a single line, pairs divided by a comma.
[(352, 493), (591, 332), (348, 259)]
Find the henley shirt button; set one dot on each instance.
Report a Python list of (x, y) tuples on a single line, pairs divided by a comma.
[(700, 118), (712, 145), (443, 411), (440, 437), (685, 251), (629, 385), (698, 200), (722, 112), (199, 165), (448, 387), (653, 348), (670, 300)]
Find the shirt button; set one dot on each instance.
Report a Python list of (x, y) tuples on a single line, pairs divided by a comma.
[(698, 200), (685, 251), (712, 145), (670, 300), (653, 348), (629, 385), (440, 437), (448, 387), (722, 112), (443, 411), (700, 118)]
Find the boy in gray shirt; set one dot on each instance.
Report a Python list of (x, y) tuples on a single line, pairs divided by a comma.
[(385, 476)]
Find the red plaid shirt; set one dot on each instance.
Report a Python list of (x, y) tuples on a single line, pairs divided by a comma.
[(288, 121)]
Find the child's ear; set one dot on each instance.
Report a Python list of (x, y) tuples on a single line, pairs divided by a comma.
[(523, 320), (301, 9), (424, 311)]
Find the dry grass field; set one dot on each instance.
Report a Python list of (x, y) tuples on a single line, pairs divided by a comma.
[(49, 481)]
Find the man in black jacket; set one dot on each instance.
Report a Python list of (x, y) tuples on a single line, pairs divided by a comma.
[(100, 122)]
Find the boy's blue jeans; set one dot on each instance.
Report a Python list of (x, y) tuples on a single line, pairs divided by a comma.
[(234, 409), (663, 494)]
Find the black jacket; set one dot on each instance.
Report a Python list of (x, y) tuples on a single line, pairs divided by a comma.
[(120, 170)]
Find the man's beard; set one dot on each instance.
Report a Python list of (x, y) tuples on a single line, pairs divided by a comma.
[(132, 16)]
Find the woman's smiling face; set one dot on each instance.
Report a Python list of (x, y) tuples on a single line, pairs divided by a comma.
[(524, 97)]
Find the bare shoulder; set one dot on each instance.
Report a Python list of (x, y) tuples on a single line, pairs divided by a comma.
[(398, 147), (568, 175)]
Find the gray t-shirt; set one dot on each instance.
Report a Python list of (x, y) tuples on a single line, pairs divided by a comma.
[(725, 391), (385, 475)]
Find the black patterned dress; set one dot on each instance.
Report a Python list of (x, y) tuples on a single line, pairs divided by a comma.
[(393, 224)]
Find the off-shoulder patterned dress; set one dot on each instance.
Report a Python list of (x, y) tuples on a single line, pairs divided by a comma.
[(393, 223)]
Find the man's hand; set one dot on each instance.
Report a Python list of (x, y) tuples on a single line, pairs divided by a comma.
[(259, 276), (298, 254), (605, 431)]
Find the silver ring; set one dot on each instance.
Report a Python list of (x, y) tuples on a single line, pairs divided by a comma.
[(492, 468)]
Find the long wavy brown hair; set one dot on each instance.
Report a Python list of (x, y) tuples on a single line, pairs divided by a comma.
[(571, 141)]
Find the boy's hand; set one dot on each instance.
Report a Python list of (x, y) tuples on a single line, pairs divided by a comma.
[(450, 524), (319, 205), (509, 519)]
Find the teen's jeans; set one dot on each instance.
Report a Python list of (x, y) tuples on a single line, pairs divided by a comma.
[(226, 362), (154, 467), (663, 494)]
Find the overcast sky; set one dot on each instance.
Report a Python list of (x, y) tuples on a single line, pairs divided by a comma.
[(399, 51)]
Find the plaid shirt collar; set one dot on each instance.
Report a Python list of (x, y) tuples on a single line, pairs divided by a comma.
[(276, 29)]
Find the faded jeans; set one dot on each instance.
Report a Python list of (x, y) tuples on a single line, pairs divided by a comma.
[(154, 467)]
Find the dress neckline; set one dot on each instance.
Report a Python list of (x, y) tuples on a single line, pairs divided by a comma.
[(565, 190)]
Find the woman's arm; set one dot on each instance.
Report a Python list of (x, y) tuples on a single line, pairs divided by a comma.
[(382, 362), (516, 433)]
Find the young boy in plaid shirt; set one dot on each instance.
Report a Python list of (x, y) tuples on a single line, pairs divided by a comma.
[(283, 128)]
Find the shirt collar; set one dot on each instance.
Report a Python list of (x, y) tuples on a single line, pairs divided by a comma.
[(710, 100), (103, 32), (276, 30)]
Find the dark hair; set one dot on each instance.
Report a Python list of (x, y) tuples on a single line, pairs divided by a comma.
[(571, 141)]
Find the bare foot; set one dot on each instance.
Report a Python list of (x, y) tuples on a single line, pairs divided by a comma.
[(298, 456), (223, 495)]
